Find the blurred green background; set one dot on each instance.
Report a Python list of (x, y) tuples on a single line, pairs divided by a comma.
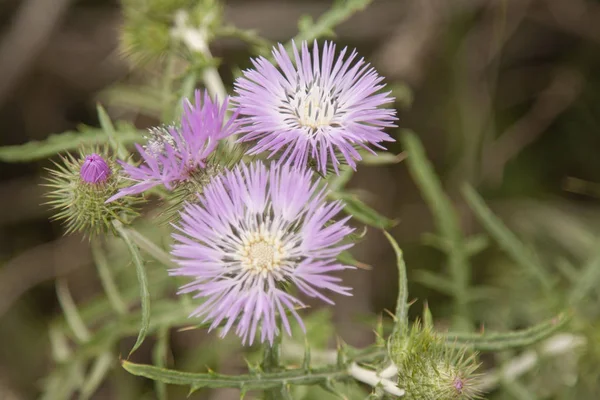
[(504, 94)]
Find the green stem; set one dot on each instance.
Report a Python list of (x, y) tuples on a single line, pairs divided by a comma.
[(271, 362), (151, 248)]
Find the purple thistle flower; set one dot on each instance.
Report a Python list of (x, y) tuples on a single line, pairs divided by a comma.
[(173, 154), (94, 169), (317, 107), (254, 231)]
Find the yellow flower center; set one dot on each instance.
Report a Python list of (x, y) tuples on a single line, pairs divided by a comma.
[(261, 253)]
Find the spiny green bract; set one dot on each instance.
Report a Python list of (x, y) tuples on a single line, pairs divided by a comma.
[(187, 191), (428, 369), (81, 205)]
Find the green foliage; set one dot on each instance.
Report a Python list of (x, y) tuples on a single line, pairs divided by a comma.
[(86, 137), (257, 380), (362, 212), (142, 281), (448, 226), (507, 240), (495, 341), (339, 12), (173, 36), (401, 317)]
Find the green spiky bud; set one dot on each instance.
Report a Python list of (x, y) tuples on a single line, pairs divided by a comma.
[(150, 30), (80, 186), (429, 369)]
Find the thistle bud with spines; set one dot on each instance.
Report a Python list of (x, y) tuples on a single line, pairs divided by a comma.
[(80, 185), (431, 369)]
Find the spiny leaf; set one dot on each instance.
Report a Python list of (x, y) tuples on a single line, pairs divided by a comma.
[(496, 341), (262, 381), (143, 282), (67, 141), (401, 323)]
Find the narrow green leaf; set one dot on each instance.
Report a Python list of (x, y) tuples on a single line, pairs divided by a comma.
[(517, 390), (586, 281), (109, 129), (476, 244), (362, 212), (97, 374), (67, 141), (338, 182), (138, 98), (59, 344), (439, 203), (497, 341), (339, 12), (507, 240), (345, 257), (143, 282), (106, 278), (306, 359), (447, 223), (382, 158), (70, 311), (401, 323), (434, 281)]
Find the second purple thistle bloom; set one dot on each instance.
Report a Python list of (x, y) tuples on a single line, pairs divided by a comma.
[(174, 154), (254, 233), (319, 106)]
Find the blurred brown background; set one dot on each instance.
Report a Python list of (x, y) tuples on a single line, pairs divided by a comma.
[(503, 93)]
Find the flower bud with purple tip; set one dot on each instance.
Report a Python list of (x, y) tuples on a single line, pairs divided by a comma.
[(80, 186), (94, 169)]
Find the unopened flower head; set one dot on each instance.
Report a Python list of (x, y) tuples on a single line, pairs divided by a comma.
[(319, 108), (174, 154), (254, 232), (80, 186), (94, 169), (431, 369)]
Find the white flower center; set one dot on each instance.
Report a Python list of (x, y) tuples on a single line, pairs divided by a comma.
[(261, 253), (310, 107)]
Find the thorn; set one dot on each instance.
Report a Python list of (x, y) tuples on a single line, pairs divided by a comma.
[(391, 314)]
